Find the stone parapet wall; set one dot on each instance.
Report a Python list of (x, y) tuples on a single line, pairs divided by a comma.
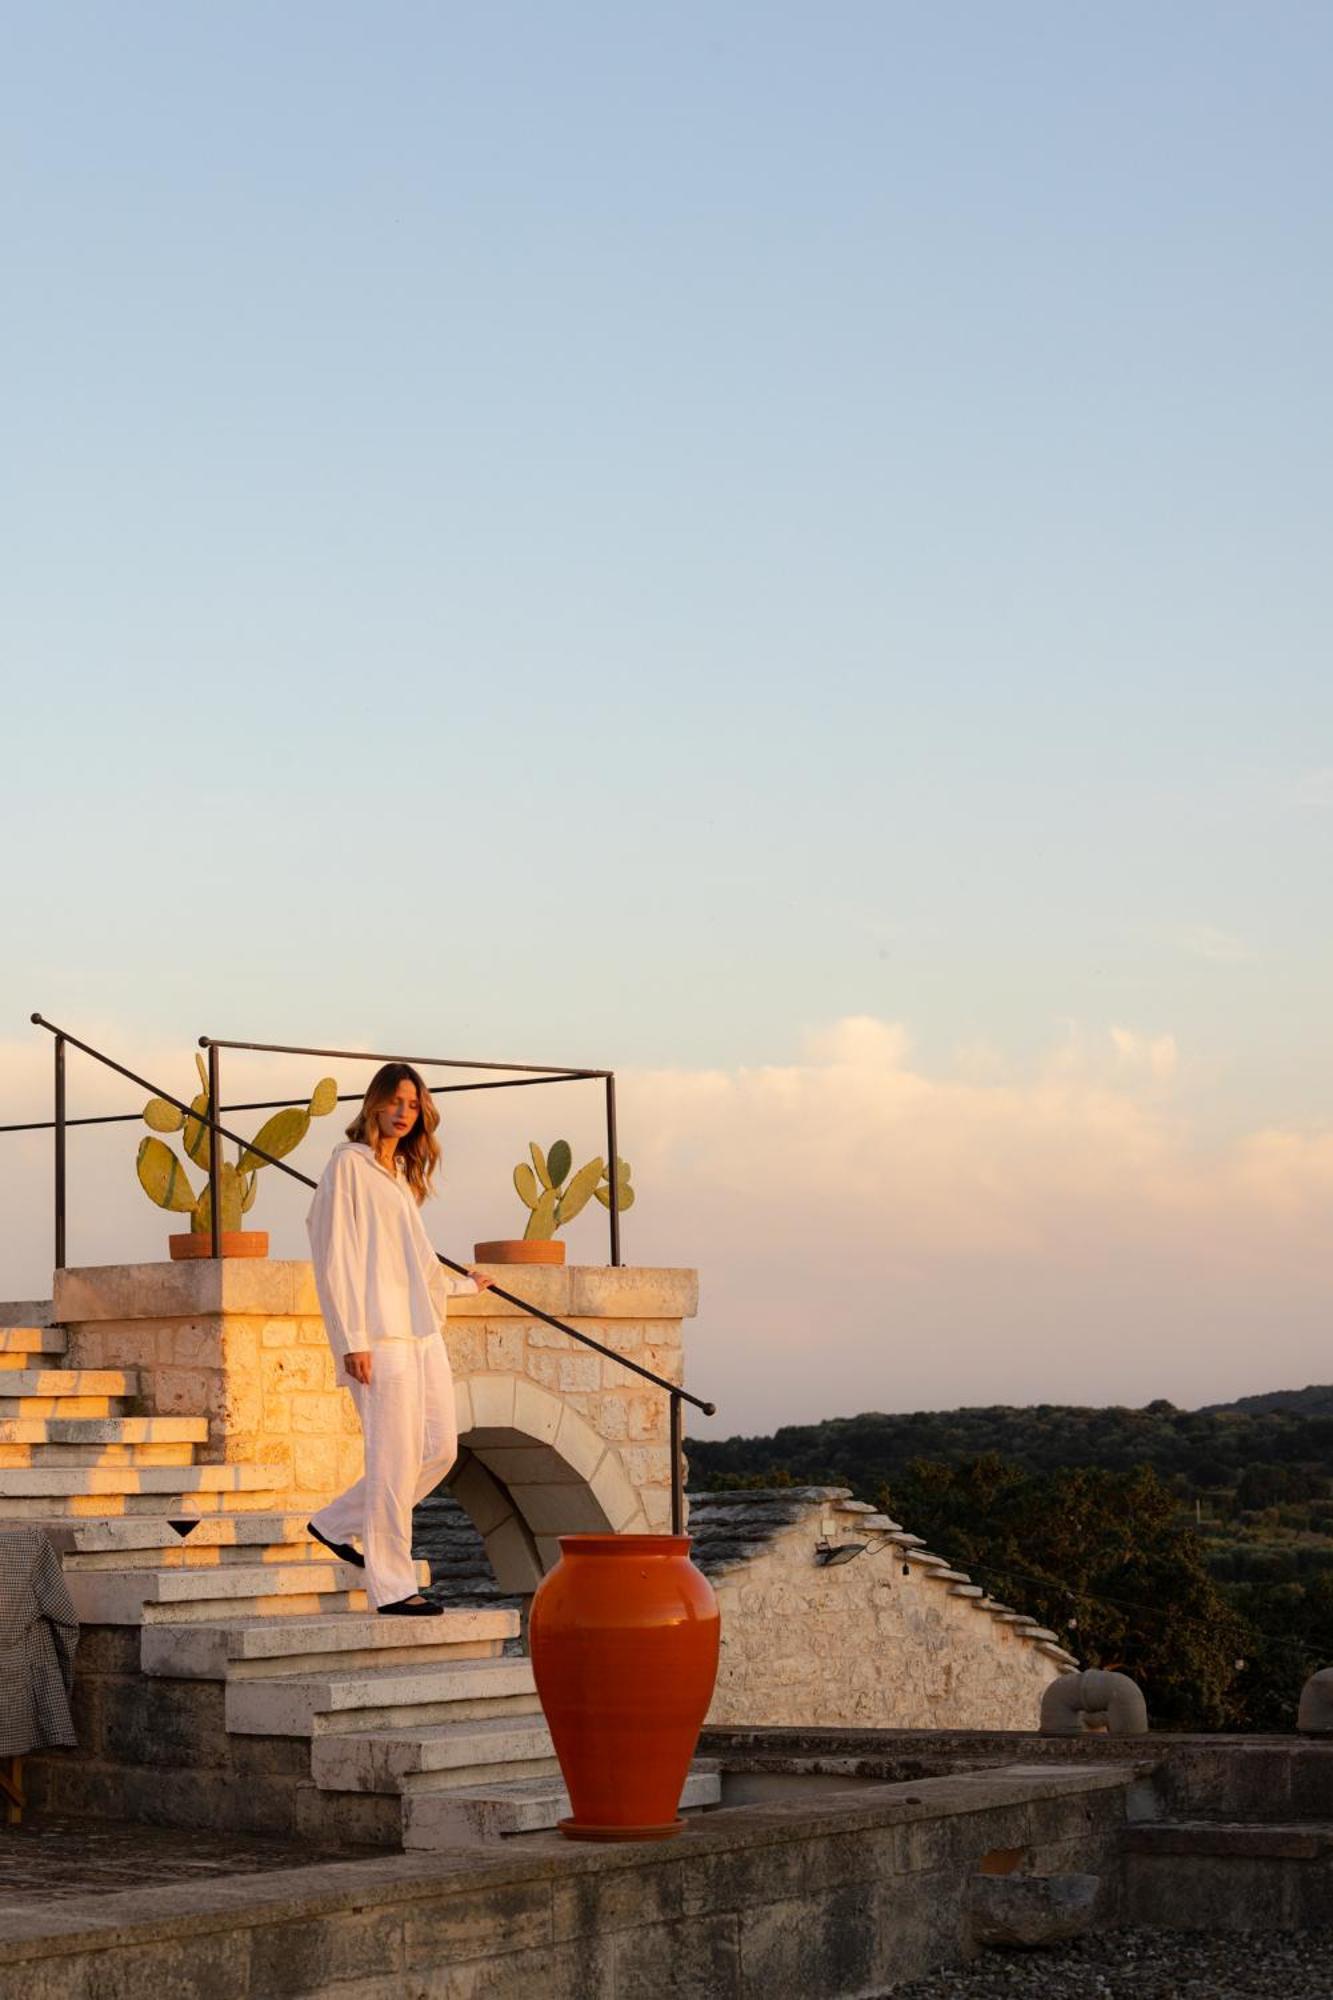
[(859, 1643), (242, 1343)]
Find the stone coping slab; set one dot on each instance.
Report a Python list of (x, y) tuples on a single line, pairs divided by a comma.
[(274, 1288), (542, 1863)]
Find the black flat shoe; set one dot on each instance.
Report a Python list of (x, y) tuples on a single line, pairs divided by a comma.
[(343, 1550), (407, 1607)]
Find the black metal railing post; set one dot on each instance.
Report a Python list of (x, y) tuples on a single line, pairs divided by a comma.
[(60, 1152), (677, 1467), (214, 1151), (613, 1167)]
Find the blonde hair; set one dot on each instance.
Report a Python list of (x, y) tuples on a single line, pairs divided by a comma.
[(419, 1152)]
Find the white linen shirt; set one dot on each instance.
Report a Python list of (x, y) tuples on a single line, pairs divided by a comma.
[(377, 1276)]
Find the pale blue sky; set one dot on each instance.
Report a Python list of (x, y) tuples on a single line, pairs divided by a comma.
[(627, 534)]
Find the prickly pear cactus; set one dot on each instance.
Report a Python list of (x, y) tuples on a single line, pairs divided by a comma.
[(553, 1197), (165, 1181)]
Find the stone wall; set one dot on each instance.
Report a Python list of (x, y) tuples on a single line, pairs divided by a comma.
[(846, 1895), (860, 1642), (575, 1439)]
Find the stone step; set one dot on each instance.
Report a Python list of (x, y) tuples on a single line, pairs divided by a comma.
[(130, 1538), (249, 1648), (95, 1454), (57, 1382), (380, 1697), (25, 1312), (166, 1480), (103, 1430), (144, 1596), (505, 1807), (16, 1341), (31, 1407), (127, 1507), (439, 1756), (152, 1542)]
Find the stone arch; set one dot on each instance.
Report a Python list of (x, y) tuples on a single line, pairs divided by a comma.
[(533, 1468)]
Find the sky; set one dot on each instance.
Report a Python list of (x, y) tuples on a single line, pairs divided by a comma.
[(781, 550)]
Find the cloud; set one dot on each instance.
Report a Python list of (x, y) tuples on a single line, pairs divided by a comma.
[(1217, 946)]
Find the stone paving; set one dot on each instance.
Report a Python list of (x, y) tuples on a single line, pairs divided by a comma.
[(48, 1858)]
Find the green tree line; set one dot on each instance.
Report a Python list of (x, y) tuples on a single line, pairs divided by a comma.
[(1191, 1548)]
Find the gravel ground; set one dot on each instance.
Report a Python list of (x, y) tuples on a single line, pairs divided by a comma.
[(1147, 1965)]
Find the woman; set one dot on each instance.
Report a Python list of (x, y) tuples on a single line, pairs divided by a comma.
[(384, 1296)]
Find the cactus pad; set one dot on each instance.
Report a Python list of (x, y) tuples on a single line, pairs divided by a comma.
[(579, 1192), (558, 1162), (162, 1177), (323, 1097)]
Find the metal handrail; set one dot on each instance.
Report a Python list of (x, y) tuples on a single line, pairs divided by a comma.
[(516, 1075), (61, 1123)]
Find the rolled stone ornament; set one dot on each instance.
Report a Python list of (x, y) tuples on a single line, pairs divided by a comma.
[(1314, 1717), (1077, 1704)]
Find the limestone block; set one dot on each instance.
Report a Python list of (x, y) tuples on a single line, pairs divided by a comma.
[(615, 1495), (1027, 1910), (579, 1371), (543, 1368), (467, 1347), (545, 1286), (276, 1414), (649, 1416), (505, 1348), (578, 1445), (478, 1494), (537, 1412), (296, 1368), (314, 1414), (608, 1414), (603, 1292), (186, 1343), (184, 1392), (512, 1556), (492, 1402), (646, 1465), (315, 1464)]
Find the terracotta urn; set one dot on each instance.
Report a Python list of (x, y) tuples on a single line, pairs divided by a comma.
[(235, 1243), (522, 1250), (624, 1635)]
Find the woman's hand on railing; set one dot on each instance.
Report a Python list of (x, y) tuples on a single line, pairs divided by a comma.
[(480, 1278)]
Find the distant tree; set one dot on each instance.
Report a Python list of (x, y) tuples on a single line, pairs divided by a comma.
[(1104, 1560)]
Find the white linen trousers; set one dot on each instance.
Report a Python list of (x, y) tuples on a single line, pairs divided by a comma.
[(410, 1428)]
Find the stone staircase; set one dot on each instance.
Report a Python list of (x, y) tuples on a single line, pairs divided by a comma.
[(421, 1733), (72, 1445)]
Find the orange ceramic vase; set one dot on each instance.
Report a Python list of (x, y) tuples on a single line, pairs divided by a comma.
[(624, 1636)]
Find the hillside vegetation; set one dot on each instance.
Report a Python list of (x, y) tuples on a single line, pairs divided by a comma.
[(1194, 1548)]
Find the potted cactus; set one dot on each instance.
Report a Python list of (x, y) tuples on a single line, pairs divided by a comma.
[(165, 1181), (553, 1196)]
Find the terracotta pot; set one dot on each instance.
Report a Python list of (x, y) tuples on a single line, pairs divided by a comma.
[(624, 1635), (539, 1250), (235, 1243)]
